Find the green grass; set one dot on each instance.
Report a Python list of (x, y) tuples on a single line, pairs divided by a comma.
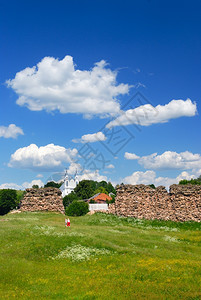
[(99, 257)]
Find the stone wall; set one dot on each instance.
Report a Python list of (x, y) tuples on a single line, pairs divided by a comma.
[(182, 203), (43, 199)]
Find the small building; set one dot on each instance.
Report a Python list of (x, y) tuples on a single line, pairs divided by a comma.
[(69, 184), (100, 198), (100, 202)]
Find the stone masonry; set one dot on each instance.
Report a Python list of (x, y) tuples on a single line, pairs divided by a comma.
[(182, 203), (43, 199)]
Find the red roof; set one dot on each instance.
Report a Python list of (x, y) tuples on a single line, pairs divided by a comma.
[(100, 197)]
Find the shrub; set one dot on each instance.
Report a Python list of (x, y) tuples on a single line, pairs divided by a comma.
[(8, 200), (92, 201), (68, 199), (77, 208)]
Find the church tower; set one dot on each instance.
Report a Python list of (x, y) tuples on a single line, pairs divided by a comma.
[(69, 184)]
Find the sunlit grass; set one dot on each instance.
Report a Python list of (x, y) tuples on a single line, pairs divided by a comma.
[(98, 257)]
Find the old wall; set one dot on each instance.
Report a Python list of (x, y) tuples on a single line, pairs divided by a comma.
[(182, 203), (43, 199)]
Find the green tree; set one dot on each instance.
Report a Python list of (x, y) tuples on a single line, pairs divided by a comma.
[(110, 188), (8, 200), (68, 199), (103, 184), (20, 195), (35, 186), (192, 181), (53, 184), (84, 189), (152, 186), (77, 208), (101, 190)]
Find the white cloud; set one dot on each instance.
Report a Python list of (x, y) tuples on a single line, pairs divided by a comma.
[(49, 157), (128, 155), (84, 173), (39, 176), (149, 177), (171, 160), (91, 138), (138, 177), (111, 166), (88, 174), (24, 185), (146, 115), (11, 185), (27, 185), (12, 131), (74, 168), (57, 85)]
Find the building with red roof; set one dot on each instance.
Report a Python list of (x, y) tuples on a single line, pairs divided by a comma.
[(100, 198)]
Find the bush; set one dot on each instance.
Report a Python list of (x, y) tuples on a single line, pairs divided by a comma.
[(8, 200), (68, 199), (77, 208), (92, 201)]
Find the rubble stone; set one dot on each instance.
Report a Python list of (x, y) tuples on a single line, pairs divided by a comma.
[(182, 203), (43, 199)]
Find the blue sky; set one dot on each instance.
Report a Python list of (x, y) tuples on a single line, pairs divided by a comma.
[(119, 79)]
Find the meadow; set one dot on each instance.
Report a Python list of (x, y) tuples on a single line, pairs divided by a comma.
[(99, 257)]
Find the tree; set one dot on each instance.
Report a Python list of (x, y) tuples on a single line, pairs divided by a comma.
[(35, 186), (84, 189), (110, 188), (53, 184), (20, 195), (152, 186), (8, 200), (68, 199), (192, 181), (101, 190), (77, 208)]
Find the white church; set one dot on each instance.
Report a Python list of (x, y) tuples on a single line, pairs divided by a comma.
[(69, 184)]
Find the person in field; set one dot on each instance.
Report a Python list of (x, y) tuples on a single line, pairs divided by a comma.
[(68, 222)]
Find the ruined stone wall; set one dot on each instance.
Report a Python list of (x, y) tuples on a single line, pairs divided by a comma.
[(43, 199), (182, 203)]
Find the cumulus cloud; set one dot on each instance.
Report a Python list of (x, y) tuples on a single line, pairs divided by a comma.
[(138, 177), (149, 177), (90, 175), (128, 155), (23, 186), (45, 158), (91, 138), (39, 176), (171, 160), (11, 185), (57, 85), (12, 131), (111, 166), (74, 168), (146, 115), (85, 173), (38, 182)]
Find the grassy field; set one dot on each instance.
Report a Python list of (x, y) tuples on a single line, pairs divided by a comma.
[(99, 257)]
